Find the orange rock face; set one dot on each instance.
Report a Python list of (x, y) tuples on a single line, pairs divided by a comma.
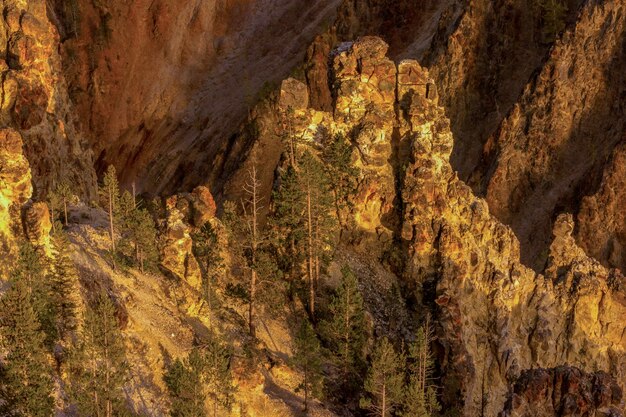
[(161, 97)]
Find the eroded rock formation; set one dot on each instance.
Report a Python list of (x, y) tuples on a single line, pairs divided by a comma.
[(563, 392), (34, 99), (495, 317)]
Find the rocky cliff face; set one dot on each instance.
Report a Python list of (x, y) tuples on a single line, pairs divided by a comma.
[(160, 98), (34, 99), (495, 317), (528, 118)]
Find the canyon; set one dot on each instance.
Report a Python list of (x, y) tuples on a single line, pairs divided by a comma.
[(489, 144)]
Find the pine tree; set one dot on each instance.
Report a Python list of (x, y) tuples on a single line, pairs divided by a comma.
[(337, 157), (183, 379), (143, 235), (384, 383), (63, 279), (207, 252), (204, 375), (344, 329), (307, 358), (320, 225), (421, 397), (25, 382), (59, 199), (30, 268), (110, 195), (287, 224), (99, 368), (216, 374)]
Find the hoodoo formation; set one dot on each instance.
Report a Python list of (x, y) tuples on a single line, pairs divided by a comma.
[(313, 208)]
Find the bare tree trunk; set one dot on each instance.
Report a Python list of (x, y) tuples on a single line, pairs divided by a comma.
[(52, 216), (107, 370), (347, 335), (65, 210), (383, 408), (111, 226), (251, 188), (310, 250), (134, 194), (208, 294)]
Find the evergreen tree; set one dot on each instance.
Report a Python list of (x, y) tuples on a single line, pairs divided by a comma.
[(216, 374), (25, 382), (30, 269), (344, 329), (320, 225), (420, 396), (59, 200), (287, 225), (384, 383), (307, 358), (141, 231), (337, 157), (183, 379), (203, 375), (63, 279), (99, 368), (110, 196), (207, 252)]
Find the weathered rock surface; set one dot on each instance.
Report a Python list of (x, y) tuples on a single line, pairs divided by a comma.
[(563, 392), (553, 144), (496, 317), (15, 190), (602, 217), (34, 99), (195, 68), (185, 213)]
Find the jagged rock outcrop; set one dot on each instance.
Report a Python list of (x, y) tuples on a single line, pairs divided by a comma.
[(563, 392), (495, 317), (34, 99), (15, 190), (601, 219), (184, 214), (554, 143), (483, 55)]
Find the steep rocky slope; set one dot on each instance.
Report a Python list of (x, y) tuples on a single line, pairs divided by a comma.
[(160, 97), (533, 120), (495, 317), (554, 143)]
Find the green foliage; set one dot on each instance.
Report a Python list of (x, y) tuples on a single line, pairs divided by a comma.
[(25, 382), (141, 231), (203, 375), (420, 395), (139, 234), (183, 381), (98, 366), (31, 270), (63, 279), (345, 329), (287, 223), (337, 157), (58, 200), (385, 381), (307, 358)]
